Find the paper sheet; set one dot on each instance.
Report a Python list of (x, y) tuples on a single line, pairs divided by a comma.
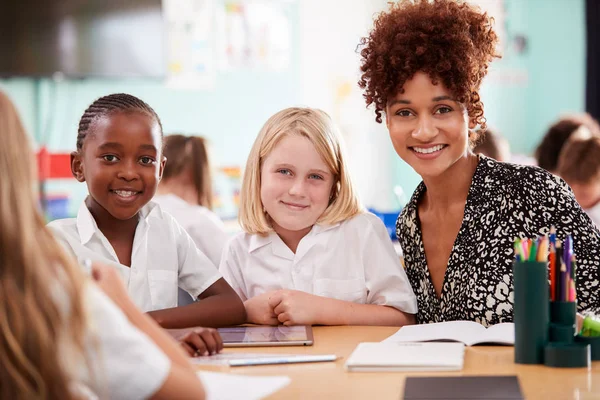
[(219, 386)]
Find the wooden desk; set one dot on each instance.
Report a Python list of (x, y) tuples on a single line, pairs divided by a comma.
[(331, 381)]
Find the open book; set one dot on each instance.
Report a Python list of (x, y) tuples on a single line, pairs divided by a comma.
[(468, 332)]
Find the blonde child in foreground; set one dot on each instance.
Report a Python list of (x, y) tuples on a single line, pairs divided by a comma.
[(309, 253), (61, 336)]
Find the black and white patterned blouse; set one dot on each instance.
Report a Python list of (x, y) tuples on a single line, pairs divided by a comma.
[(504, 201)]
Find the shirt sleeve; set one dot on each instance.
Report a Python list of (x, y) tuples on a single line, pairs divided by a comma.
[(386, 280), (196, 271), (569, 218), (230, 268), (127, 364)]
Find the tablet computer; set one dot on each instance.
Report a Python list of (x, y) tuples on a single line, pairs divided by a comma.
[(246, 336)]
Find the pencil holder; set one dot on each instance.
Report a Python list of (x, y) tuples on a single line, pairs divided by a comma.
[(594, 342), (561, 333), (567, 355), (530, 311), (563, 312)]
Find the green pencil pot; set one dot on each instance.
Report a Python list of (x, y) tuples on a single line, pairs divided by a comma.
[(594, 342), (567, 355), (563, 312), (530, 311), (561, 333)]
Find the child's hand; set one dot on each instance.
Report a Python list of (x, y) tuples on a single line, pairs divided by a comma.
[(198, 341), (579, 322), (294, 307), (259, 311), (108, 279)]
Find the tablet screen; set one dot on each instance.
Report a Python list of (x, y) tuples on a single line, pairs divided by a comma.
[(266, 336)]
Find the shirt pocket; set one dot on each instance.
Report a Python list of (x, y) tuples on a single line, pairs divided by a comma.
[(353, 290), (163, 288)]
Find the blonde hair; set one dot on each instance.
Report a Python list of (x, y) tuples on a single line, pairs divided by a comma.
[(316, 126), (184, 152), (33, 268)]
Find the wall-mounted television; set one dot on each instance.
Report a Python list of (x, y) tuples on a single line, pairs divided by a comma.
[(82, 38)]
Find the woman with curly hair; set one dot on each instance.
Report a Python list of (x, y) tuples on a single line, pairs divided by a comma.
[(422, 67)]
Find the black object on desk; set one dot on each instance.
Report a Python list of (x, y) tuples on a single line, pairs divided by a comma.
[(463, 388)]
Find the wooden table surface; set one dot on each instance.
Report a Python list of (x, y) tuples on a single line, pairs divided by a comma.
[(330, 380)]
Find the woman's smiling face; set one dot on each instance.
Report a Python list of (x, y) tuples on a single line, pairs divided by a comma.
[(428, 128)]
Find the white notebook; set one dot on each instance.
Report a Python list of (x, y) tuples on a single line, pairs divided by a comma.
[(382, 356), (467, 332)]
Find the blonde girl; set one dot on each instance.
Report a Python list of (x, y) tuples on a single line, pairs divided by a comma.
[(309, 254)]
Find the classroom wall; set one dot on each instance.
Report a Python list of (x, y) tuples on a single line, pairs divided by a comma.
[(523, 93), (229, 114)]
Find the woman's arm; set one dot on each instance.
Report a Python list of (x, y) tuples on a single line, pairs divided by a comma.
[(218, 305)]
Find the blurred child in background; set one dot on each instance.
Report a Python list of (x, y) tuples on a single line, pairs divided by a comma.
[(185, 192), (493, 145), (548, 151), (579, 166)]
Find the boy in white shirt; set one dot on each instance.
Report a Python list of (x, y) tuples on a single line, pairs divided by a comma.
[(309, 254)]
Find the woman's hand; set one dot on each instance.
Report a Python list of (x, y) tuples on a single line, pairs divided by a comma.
[(259, 311), (198, 341)]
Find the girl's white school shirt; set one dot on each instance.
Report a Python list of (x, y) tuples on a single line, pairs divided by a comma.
[(123, 362), (164, 257), (199, 222), (353, 261)]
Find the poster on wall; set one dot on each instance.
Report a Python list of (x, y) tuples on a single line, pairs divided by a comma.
[(190, 41), (254, 34)]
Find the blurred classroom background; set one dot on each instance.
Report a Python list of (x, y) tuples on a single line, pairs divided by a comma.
[(220, 68)]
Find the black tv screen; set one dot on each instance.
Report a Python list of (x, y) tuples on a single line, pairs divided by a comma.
[(82, 38)]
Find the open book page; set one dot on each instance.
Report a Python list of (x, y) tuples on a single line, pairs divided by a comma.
[(499, 333), (468, 332)]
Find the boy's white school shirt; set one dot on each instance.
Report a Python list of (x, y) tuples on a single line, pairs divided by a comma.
[(163, 257), (353, 261), (203, 225)]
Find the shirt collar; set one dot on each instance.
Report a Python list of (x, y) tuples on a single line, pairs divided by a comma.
[(87, 226), (257, 241)]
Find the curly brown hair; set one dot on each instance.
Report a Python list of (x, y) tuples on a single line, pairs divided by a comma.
[(449, 40)]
